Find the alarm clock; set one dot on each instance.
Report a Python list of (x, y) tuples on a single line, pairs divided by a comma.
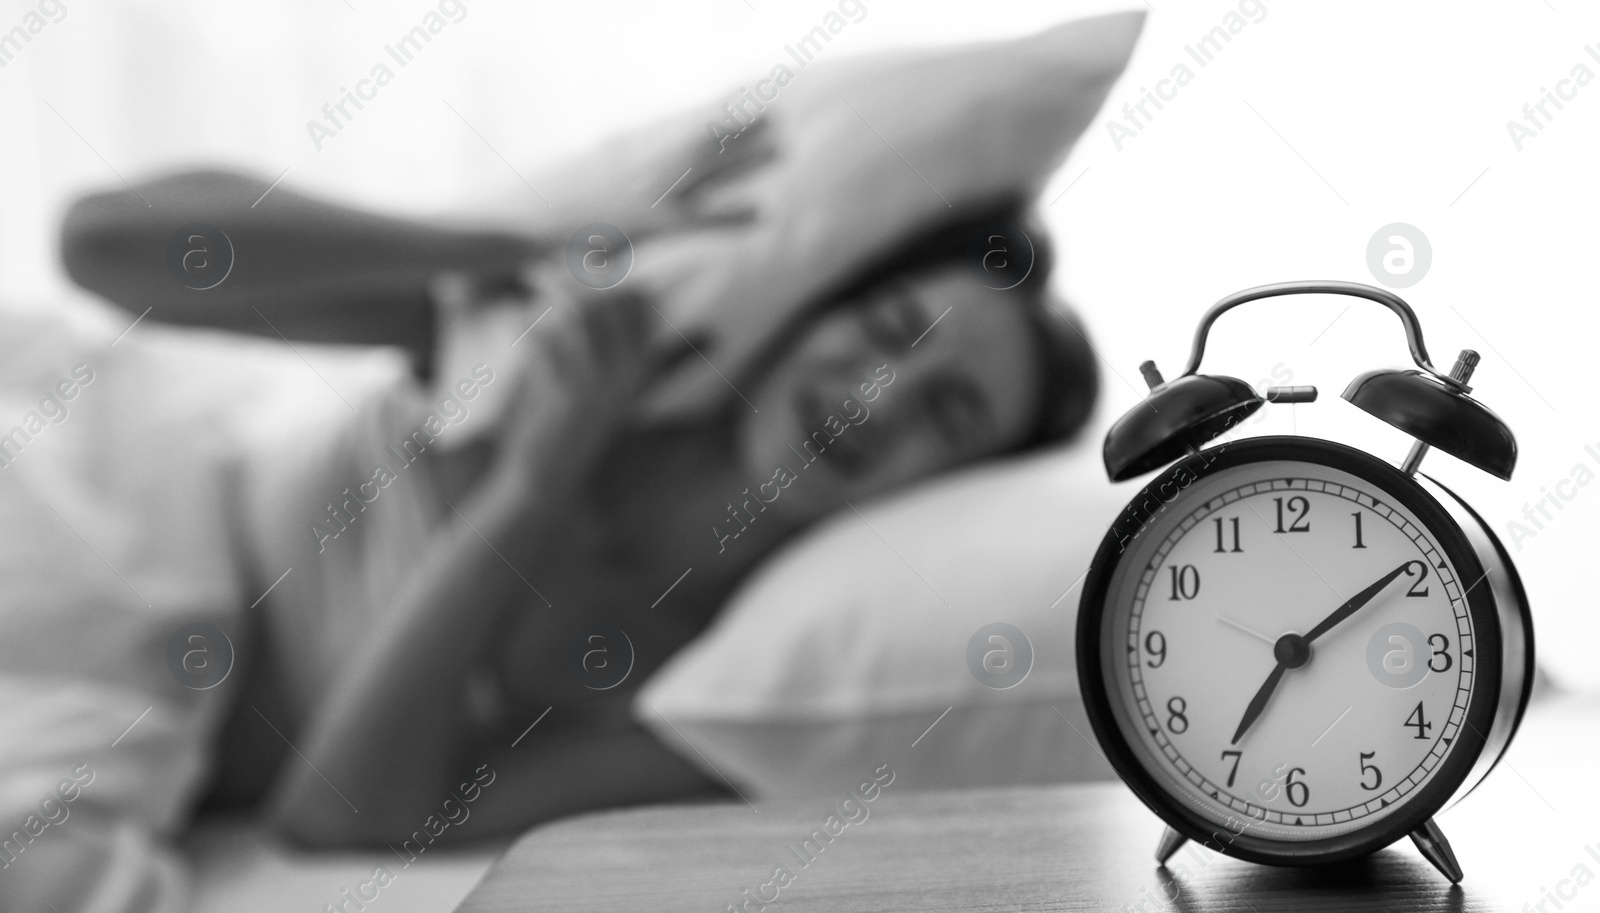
[(1293, 651)]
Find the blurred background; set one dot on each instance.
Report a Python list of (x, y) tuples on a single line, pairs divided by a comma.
[(1315, 127), (1293, 153)]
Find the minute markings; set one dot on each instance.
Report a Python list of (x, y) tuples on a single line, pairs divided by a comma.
[(1404, 784)]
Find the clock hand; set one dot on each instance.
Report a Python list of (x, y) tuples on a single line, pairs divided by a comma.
[(1259, 702), (1294, 650), (1250, 631), (1356, 602)]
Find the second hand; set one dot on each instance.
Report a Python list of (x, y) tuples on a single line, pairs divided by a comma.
[(1250, 631)]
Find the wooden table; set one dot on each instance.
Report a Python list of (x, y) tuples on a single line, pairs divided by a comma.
[(1072, 847)]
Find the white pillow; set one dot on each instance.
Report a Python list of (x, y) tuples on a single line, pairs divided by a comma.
[(846, 158), (842, 650)]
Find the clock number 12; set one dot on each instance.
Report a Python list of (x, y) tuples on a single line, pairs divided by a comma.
[(1300, 508)]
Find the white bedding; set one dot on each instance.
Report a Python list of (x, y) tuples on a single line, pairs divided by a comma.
[(121, 498)]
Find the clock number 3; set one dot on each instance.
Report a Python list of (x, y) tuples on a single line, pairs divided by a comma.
[(1441, 650)]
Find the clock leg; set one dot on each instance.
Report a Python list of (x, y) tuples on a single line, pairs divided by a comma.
[(1171, 842), (1431, 841)]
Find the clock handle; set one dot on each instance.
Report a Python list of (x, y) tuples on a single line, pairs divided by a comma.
[(1408, 318), (1171, 842), (1436, 849)]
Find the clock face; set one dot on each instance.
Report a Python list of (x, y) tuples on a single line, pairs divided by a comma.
[(1287, 647)]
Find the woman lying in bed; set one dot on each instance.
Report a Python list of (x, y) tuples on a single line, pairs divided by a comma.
[(574, 519)]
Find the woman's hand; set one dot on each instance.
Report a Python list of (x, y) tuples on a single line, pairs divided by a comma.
[(390, 729), (585, 360)]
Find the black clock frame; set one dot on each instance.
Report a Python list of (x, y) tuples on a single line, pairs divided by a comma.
[(1470, 740)]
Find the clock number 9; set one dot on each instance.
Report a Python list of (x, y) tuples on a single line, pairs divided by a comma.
[(1155, 643)]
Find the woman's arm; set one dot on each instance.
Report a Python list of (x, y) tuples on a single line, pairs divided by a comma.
[(300, 266), (389, 742), (552, 774), (382, 745)]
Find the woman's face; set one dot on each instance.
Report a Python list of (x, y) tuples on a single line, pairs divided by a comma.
[(920, 374)]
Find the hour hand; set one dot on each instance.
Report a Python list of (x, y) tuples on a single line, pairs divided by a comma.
[(1259, 702), (1294, 650)]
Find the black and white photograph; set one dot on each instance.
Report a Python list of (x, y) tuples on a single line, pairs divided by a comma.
[(798, 456)]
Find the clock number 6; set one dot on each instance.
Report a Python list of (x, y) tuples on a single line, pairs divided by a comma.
[(1298, 800)]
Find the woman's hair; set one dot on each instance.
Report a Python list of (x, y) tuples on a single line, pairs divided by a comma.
[(1007, 248)]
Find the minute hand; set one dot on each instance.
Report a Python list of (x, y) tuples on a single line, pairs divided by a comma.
[(1354, 605), (1298, 644)]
